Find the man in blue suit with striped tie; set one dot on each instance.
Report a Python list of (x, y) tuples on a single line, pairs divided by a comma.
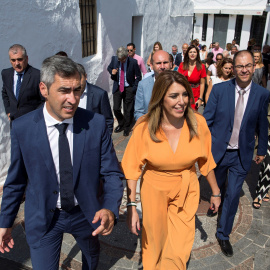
[(235, 112)]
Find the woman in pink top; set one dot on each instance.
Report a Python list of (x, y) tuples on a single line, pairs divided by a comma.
[(193, 69)]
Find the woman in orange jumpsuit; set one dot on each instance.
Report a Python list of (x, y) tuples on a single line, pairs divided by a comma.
[(168, 141)]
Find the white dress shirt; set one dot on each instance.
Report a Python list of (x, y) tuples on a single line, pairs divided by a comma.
[(53, 135), (246, 95), (83, 98)]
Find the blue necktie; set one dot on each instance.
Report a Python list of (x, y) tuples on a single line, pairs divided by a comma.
[(18, 86), (66, 170)]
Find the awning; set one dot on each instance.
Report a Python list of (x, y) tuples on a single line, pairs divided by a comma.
[(241, 10)]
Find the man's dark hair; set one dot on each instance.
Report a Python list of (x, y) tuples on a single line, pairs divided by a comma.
[(62, 53), (243, 52), (131, 44), (81, 69)]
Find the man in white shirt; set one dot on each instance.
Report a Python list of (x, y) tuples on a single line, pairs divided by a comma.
[(65, 151), (95, 99), (20, 90), (235, 110)]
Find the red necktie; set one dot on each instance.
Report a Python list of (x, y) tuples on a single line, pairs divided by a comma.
[(122, 78)]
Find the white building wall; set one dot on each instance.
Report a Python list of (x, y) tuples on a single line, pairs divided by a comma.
[(45, 27), (231, 7), (210, 30), (198, 27), (245, 32)]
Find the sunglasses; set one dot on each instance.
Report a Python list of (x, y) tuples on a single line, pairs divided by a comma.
[(130, 50)]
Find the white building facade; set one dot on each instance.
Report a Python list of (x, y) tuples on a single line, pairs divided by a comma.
[(45, 27), (223, 21)]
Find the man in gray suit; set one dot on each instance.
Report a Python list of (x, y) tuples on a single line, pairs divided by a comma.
[(159, 62)]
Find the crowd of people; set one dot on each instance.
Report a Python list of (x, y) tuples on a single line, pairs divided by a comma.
[(63, 160)]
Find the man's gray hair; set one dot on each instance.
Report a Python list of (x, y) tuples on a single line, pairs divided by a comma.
[(122, 52), (81, 69), (62, 66), (175, 46), (17, 47)]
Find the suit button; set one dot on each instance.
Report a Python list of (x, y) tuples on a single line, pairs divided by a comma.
[(55, 192), (52, 210)]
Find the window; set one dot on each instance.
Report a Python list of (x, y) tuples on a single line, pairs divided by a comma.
[(204, 27), (88, 26), (257, 28)]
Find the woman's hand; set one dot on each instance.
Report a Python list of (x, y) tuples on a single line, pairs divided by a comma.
[(133, 220), (199, 103)]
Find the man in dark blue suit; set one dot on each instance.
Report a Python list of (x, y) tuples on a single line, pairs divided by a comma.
[(20, 90), (95, 99), (64, 151), (235, 112), (126, 75)]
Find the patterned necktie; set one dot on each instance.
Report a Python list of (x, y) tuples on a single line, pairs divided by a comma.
[(18, 86), (238, 116), (66, 170), (122, 78)]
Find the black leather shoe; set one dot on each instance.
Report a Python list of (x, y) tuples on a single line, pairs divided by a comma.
[(226, 247), (126, 133), (210, 213), (118, 129)]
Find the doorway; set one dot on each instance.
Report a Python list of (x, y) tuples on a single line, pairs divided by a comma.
[(220, 29), (137, 38)]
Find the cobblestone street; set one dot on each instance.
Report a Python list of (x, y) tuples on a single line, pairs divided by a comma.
[(121, 250)]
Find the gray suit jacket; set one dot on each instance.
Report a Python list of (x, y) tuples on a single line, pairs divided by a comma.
[(143, 96)]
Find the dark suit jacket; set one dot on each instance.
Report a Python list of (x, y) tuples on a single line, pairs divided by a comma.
[(93, 156), (98, 101), (178, 59), (29, 96), (133, 73), (219, 114)]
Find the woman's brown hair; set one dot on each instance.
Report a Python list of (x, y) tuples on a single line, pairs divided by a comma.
[(155, 114), (222, 64), (159, 45), (198, 59)]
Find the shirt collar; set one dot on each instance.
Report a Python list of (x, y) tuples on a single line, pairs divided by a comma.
[(51, 121), (239, 88), (17, 73)]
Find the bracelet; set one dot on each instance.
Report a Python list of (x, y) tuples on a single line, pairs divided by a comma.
[(218, 195), (132, 204), (200, 99)]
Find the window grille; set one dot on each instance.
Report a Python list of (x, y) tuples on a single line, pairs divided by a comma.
[(88, 27)]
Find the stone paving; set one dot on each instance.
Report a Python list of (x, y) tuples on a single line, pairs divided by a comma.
[(121, 250)]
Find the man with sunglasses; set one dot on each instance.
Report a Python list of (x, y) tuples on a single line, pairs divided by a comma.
[(235, 111), (131, 53), (20, 92)]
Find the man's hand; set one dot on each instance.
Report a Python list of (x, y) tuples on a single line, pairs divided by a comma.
[(258, 159), (6, 240), (107, 222), (114, 71), (8, 115)]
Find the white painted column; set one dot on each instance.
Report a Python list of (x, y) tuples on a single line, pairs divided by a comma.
[(210, 30), (245, 34), (198, 27), (231, 28)]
